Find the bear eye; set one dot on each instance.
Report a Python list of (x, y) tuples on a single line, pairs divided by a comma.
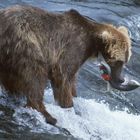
[(114, 63)]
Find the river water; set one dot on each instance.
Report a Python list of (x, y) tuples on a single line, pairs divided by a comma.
[(97, 114)]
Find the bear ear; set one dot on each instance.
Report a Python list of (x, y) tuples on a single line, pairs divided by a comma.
[(123, 30), (106, 36)]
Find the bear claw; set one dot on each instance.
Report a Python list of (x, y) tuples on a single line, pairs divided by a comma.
[(51, 120)]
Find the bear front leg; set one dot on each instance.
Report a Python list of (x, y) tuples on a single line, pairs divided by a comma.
[(63, 91), (35, 101), (74, 87)]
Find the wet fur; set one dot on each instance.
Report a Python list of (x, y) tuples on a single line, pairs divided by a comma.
[(36, 45)]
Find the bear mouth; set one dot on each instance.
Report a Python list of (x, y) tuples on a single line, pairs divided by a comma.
[(113, 76), (125, 86)]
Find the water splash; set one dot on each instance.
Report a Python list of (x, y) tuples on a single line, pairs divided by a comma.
[(87, 120)]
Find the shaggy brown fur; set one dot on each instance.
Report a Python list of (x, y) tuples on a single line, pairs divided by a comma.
[(36, 45)]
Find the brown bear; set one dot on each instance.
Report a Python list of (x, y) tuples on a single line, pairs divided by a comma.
[(36, 45)]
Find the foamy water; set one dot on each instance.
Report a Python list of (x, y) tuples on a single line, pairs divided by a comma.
[(87, 120)]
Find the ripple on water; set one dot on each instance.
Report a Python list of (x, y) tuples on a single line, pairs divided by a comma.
[(133, 24)]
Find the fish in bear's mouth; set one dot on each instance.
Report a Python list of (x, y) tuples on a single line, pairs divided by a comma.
[(125, 85)]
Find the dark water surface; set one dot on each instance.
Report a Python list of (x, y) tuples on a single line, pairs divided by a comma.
[(97, 115)]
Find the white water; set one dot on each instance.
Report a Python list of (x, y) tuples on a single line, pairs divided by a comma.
[(88, 120)]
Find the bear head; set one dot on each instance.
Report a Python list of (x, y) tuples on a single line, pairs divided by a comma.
[(115, 47)]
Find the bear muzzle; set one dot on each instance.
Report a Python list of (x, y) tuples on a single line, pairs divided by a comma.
[(113, 76), (126, 85)]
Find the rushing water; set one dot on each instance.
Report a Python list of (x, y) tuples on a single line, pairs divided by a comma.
[(97, 114)]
